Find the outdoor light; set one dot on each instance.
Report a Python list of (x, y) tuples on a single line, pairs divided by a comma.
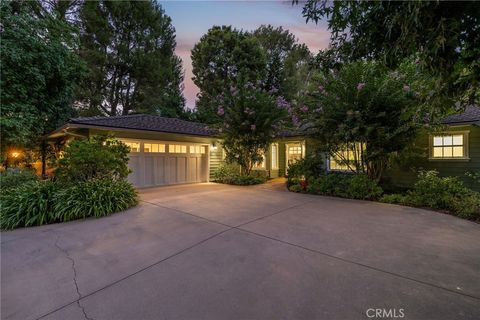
[(213, 147), (15, 154)]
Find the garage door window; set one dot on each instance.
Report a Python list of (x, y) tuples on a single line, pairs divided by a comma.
[(197, 149), (154, 147), (134, 146), (177, 148)]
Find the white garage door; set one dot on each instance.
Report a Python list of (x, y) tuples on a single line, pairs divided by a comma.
[(163, 163)]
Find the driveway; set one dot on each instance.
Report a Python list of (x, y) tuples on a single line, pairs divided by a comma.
[(211, 251)]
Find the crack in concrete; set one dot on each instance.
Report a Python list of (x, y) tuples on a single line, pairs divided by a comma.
[(67, 255)]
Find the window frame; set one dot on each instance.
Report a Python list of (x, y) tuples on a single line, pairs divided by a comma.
[(276, 166), (466, 154), (347, 170)]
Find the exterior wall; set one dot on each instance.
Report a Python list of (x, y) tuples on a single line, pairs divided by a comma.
[(216, 158), (405, 176)]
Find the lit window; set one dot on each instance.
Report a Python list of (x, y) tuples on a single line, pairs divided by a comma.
[(274, 156), (261, 164), (347, 158), (448, 146), (134, 146), (294, 153), (197, 149), (153, 147), (177, 148)]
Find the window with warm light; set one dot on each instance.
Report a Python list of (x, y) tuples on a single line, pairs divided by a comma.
[(154, 147), (261, 164), (274, 153), (197, 149), (294, 153), (448, 146), (134, 146), (177, 148), (346, 158)]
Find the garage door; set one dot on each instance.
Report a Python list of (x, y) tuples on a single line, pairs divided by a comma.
[(156, 163)]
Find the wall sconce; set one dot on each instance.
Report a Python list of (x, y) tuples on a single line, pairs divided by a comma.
[(213, 147)]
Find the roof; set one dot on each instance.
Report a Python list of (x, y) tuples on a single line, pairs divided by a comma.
[(147, 122), (470, 115)]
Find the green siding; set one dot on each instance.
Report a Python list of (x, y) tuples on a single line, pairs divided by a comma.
[(405, 176), (216, 159)]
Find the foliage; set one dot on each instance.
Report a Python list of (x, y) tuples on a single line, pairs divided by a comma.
[(220, 59), (42, 202), (249, 118), (30, 204), (354, 186), (94, 198), (96, 157), (13, 179), (287, 60), (445, 34), (447, 193), (230, 174), (309, 167), (129, 48), (38, 76), (362, 108)]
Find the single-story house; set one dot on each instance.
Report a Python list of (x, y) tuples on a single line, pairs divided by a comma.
[(168, 151)]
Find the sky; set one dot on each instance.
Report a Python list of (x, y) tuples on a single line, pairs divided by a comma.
[(192, 19)]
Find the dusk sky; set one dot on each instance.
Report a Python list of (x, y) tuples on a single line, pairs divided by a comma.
[(192, 19)]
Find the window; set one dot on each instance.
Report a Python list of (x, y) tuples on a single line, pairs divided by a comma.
[(197, 149), (177, 148), (294, 153), (261, 164), (346, 158), (274, 154), (153, 147), (134, 146), (451, 145)]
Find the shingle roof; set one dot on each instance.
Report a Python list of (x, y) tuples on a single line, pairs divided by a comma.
[(147, 122), (470, 115)]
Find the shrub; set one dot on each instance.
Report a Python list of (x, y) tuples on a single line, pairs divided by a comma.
[(97, 157), (230, 174), (30, 204), (296, 188), (355, 186), (94, 198), (13, 179), (305, 168), (446, 193)]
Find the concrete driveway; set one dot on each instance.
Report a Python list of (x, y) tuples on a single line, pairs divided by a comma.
[(221, 252)]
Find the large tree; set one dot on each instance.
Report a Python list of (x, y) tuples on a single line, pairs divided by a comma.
[(38, 75), (128, 47), (287, 60), (446, 34), (222, 57)]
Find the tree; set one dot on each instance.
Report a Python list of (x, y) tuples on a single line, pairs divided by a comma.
[(445, 34), (362, 114), (222, 57), (38, 75), (128, 47), (287, 60), (249, 118)]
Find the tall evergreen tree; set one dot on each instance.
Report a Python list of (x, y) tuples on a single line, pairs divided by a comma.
[(128, 47), (223, 58), (38, 76)]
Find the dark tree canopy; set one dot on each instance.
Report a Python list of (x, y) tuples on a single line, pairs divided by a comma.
[(38, 76), (445, 34), (286, 59), (128, 47), (220, 59)]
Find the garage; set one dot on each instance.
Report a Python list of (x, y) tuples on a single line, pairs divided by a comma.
[(157, 163)]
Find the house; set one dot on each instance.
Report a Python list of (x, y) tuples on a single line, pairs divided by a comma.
[(168, 151)]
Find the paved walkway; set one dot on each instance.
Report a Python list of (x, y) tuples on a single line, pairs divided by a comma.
[(212, 251)]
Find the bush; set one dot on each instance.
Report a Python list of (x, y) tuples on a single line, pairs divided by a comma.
[(30, 204), (13, 179), (310, 166), (230, 174), (95, 158), (94, 198), (435, 192), (355, 186), (43, 202)]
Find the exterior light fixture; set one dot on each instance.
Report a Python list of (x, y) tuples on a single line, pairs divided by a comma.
[(213, 147), (15, 154)]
